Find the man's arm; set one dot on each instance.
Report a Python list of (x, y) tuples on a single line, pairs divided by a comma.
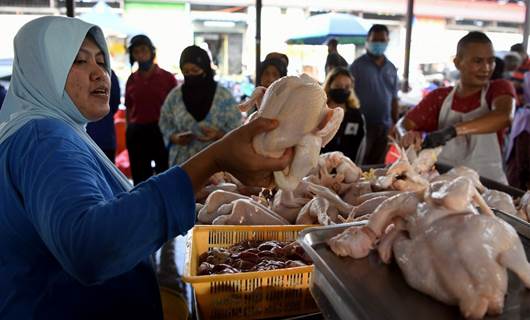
[(500, 117), (407, 132)]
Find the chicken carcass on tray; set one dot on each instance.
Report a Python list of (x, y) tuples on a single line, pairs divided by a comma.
[(443, 245)]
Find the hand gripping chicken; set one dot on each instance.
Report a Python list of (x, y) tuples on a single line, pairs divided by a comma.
[(305, 123)]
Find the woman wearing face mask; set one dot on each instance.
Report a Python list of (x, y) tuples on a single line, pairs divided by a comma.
[(75, 236), (350, 136), (145, 92), (198, 112)]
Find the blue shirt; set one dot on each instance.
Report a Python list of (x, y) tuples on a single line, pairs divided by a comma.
[(375, 87), (102, 131), (73, 243)]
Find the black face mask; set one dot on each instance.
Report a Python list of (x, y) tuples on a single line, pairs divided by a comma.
[(339, 95), (144, 66), (195, 81)]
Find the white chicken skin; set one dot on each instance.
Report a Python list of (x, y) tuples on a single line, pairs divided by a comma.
[(248, 212), (210, 211), (443, 246), (305, 123), (475, 251)]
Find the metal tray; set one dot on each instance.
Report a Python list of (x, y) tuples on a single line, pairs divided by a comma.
[(347, 288)]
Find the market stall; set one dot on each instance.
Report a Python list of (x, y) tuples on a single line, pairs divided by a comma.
[(366, 214)]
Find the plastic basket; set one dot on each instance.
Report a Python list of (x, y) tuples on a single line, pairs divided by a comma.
[(259, 294)]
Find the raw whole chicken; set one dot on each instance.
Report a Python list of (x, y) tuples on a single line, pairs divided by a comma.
[(210, 211), (248, 212), (402, 175), (334, 169), (443, 246), (365, 208), (353, 191), (318, 211), (211, 188), (305, 123), (289, 203), (500, 200), (462, 171)]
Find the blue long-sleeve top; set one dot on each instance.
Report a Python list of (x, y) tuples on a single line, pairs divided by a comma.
[(73, 243)]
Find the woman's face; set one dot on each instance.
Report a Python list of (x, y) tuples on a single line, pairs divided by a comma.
[(191, 69), (341, 82), (88, 83), (269, 75)]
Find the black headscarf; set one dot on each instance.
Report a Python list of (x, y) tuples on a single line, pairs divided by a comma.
[(198, 91), (277, 63)]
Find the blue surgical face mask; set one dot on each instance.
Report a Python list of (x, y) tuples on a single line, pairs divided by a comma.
[(376, 48)]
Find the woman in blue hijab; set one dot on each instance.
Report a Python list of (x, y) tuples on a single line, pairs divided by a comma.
[(75, 237)]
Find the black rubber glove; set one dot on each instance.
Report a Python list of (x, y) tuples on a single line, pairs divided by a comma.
[(439, 137)]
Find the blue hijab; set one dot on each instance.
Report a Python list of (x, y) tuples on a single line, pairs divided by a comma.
[(45, 49)]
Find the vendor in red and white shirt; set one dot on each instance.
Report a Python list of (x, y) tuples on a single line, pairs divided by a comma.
[(465, 118)]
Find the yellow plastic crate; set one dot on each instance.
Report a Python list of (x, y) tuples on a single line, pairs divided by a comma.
[(255, 295)]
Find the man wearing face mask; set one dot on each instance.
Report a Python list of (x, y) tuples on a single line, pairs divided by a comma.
[(145, 93), (376, 85)]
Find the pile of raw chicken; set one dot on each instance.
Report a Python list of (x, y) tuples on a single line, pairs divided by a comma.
[(321, 189), (412, 212)]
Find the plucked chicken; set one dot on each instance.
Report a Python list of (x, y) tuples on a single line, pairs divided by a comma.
[(305, 123), (443, 246)]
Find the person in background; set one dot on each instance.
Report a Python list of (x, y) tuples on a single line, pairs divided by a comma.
[(198, 112), (270, 70), (350, 136), (498, 72), (525, 60), (518, 75), (145, 92), (511, 62), (518, 146), (102, 131), (75, 236), (280, 56), (3, 93), (464, 119), (376, 85), (334, 59)]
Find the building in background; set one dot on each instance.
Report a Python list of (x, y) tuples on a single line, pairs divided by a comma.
[(227, 30)]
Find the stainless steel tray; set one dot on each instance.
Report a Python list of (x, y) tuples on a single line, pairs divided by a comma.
[(346, 288)]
